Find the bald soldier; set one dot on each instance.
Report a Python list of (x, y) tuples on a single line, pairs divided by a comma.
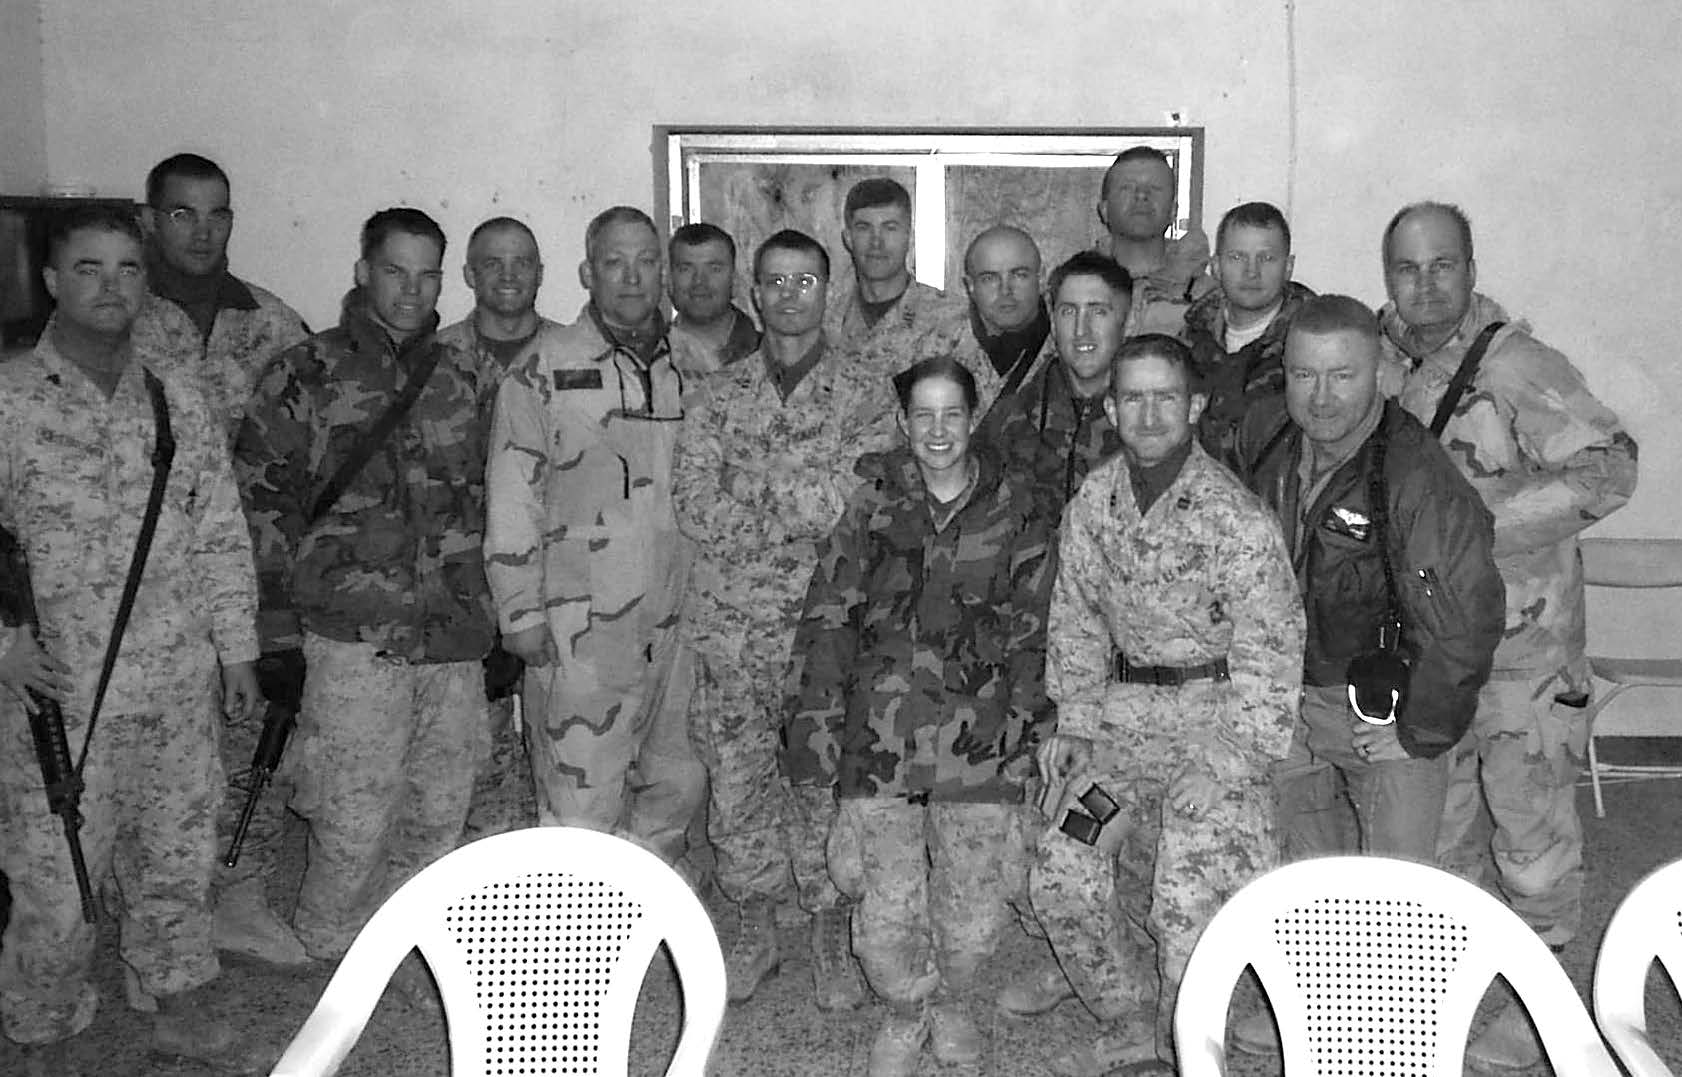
[(1009, 324)]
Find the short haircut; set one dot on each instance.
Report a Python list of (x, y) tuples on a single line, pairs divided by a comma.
[(186, 166), (935, 366), (1157, 346), (790, 240), (1323, 314), (1091, 264), (873, 192), (998, 230), (1133, 153), (699, 234), (612, 216), (382, 225), (1253, 215), (94, 217), (1454, 212), (497, 224)]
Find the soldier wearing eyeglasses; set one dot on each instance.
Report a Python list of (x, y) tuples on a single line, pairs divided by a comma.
[(1237, 332), (211, 325), (764, 467), (584, 556)]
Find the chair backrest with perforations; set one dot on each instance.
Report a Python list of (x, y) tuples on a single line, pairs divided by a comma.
[(539, 940), (1374, 966), (1646, 927)]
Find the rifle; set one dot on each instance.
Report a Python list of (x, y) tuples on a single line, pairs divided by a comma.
[(281, 677), (46, 719)]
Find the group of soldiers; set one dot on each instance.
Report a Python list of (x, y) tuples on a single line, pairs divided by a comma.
[(1089, 596)]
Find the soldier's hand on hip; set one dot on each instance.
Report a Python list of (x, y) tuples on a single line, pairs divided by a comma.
[(27, 665), (1192, 793), (241, 698), (535, 645), (1378, 743)]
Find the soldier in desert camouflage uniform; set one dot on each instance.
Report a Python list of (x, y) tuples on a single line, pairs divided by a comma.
[(1549, 460), (917, 695), (209, 325), (77, 430), (585, 558), (1137, 203), (1174, 653), (763, 469), (386, 589), (505, 270)]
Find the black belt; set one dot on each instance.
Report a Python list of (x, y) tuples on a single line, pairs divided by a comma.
[(1168, 676)]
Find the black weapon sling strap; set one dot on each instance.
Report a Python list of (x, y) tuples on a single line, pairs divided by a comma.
[(364, 450), (1462, 379), (163, 455)]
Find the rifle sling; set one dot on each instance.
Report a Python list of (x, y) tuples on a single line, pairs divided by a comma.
[(364, 449), (163, 455)]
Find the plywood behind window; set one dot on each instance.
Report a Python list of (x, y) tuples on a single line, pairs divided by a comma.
[(1057, 206)]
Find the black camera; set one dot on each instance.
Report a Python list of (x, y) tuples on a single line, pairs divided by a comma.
[(1084, 826)]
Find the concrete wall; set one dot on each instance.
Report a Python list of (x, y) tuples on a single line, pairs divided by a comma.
[(23, 119), (1552, 123)]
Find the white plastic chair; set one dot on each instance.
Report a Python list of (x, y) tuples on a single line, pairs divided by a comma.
[(1625, 563), (1375, 965), (539, 940), (1646, 927)]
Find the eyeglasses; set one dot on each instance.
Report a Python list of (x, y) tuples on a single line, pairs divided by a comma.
[(799, 282), (188, 217)]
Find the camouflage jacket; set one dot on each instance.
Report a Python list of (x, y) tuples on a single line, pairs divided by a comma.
[(248, 333), (1546, 457), (1439, 541), (919, 662), (694, 356), (396, 560), (1161, 298), (75, 476), (759, 481), (1046, 432), (1203, 575), (1235, 381), (464, 336), (581, 531)]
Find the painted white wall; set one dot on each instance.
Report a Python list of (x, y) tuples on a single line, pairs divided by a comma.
[(1552, 123), (23, 117)]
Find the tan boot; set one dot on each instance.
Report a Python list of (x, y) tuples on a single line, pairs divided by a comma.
[(754, 954), (192, 1025), (894, 1051), (954, 1036), (246, 925), (1038, 994), (835, 972), (1118, 1045), (1507, 1044)]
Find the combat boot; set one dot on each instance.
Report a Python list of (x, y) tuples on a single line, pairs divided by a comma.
[(246, 925), (192, 1025), (835, 972), (755, 953), (1121, 1044), (1507, 1044), (953, 1035), (894, 1051)]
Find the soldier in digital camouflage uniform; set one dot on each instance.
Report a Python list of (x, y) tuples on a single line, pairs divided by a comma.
[(1137, 204), (205, 323), (585, 558), (504, 269), (1010, 328), (77, 432), (1055, 427), (763, 468), (1237, 332), (917, 694), (386, 590), (709, 332), (1174, 654), (1549, 460)]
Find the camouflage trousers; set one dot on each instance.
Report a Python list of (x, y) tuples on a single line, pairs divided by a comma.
[(503, 798), (768, 840), (1122, 923), (610, 744), (1512, 801), (932, 882), (382, 767), (260, 851), (153, 783), (1331, 801)]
